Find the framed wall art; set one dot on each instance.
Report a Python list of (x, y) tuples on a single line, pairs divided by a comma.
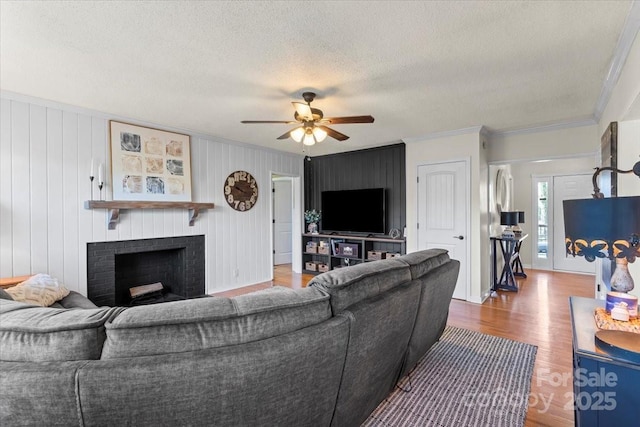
[(609, 157), (149, 164)]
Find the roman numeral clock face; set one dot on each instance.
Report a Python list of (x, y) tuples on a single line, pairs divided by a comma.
[(241, 191)]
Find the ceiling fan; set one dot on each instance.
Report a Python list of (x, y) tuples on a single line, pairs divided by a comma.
[(312, 123)]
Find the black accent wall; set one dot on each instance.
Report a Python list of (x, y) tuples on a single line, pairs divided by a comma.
[(370, 168)]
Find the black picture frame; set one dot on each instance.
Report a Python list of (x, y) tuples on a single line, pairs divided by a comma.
[(609, 158)]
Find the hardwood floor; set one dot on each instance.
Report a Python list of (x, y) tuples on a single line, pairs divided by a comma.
[(538, 314)]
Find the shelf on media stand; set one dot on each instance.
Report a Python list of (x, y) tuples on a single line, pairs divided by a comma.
[(362, 246), (114, 207)]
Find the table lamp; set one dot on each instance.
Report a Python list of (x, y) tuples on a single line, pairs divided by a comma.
[(509, 219), (605, 228), (516, 228)]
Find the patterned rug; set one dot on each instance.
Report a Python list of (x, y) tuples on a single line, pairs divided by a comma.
[(466, 379)]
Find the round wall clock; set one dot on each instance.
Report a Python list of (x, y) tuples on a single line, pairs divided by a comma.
[(241, 190)]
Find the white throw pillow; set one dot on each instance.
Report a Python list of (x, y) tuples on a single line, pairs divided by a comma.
[(40, 289)]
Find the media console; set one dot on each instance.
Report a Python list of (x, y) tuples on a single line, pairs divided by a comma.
[(323, 252)]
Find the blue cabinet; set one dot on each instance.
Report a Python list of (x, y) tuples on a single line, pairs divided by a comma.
[(606, 388)]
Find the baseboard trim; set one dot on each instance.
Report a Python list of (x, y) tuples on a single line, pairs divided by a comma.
[(481, 299)]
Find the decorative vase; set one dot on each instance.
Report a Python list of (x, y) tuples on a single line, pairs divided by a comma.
[(313, 228), (621, 280)]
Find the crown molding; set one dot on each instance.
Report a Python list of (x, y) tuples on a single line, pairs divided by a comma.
[(625, 41), (484, 131), (488, 133), (445, 134), (566, 124), (594, 154)]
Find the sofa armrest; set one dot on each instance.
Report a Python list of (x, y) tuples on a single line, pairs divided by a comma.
[(76, 300)]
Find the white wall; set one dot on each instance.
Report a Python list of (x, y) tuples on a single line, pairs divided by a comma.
[(545, 144), (448, 148), (484, 218), (45, 152)]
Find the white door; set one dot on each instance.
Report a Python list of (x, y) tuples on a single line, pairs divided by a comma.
[(567, 188), (282, 219), (443, 217)]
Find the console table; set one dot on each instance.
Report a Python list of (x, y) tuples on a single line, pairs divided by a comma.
[(510, 248), (605, 387)]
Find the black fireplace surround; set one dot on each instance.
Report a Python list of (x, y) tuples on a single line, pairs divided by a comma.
[(114, 267)]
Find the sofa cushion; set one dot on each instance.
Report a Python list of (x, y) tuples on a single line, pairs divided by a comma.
[(437, 288), (41, 334), (349, 285), (422, 262), (76, 300), (287, 380), (198, 324), (40, 289), (39, 394), (380, 330)]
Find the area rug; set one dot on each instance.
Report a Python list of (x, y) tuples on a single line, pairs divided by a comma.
[(466, 379)]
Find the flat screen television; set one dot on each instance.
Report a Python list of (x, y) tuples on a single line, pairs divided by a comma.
[(354, 211)]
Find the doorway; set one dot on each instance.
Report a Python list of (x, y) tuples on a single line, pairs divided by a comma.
[(282, 220), (542, 226), (547, 232), (286, 220), (443, 214)]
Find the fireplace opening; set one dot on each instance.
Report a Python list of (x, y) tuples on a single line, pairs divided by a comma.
[(113, 268), (152, 293), (144, 268)]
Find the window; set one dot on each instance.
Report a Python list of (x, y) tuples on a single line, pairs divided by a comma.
[(542, 230), (543, 220)]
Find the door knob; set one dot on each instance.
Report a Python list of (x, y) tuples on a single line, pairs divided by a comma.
[(459, 237)]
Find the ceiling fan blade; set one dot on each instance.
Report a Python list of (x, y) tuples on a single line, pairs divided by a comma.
[(303, 110), (334, 133), (288, 122), (284, 135), (351, 119)]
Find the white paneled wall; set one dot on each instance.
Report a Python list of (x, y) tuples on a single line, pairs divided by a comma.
[(45, 157)]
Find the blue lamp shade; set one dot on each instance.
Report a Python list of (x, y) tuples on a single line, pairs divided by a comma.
[(603, 228), (508, 218), (520, 217)]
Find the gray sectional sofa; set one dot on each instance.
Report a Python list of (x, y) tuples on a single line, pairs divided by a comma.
[(325, 355)]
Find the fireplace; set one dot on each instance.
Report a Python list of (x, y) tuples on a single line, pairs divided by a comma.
[(115, 267)]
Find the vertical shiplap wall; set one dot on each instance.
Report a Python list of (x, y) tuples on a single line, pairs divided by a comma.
[(45, 155)]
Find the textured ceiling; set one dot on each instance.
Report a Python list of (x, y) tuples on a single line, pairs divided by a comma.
[(417, 67)]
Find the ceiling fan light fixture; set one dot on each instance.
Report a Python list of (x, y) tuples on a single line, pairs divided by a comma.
[(312, 123), (309, 139), (297, 134), (319, 134)]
